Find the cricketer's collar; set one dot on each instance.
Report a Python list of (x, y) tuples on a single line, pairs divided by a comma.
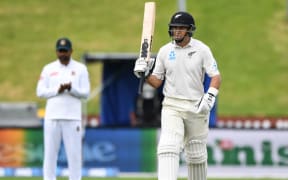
[(62, 65), (190, 44)]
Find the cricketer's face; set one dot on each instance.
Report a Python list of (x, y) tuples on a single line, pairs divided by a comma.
[(179, 32), (64, 55)]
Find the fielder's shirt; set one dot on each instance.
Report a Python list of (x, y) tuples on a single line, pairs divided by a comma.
[(184, 68), (66, 105)]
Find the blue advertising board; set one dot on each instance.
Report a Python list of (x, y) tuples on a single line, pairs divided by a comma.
[(129, 150)]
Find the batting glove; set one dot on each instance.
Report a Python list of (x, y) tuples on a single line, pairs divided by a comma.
[(143, 66), (208, 100)]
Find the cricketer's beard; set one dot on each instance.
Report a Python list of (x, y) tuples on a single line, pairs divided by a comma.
[(178, 38), (64, 59)]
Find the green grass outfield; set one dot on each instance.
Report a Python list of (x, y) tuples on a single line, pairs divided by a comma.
[(130, 178), (249, 39)]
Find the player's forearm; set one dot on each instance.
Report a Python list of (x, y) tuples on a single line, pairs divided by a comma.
[(81, 91), (46, 92), (216, 81), (154, 81)]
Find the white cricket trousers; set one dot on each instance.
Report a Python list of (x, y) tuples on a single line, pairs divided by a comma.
[(179, 126), (70, 131)]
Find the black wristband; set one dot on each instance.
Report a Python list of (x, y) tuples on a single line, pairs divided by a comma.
[(211, 94)]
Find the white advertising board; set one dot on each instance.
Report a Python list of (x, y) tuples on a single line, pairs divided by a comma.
[(245, 153)]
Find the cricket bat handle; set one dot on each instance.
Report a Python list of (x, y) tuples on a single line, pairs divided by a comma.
[(141, 83)]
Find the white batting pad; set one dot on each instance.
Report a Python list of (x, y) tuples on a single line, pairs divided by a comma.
[(195, 152), (197, 171), (168, 165), (196, 157)]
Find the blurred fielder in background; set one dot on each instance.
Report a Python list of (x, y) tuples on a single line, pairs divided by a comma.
[(63, 83), (186, 107)]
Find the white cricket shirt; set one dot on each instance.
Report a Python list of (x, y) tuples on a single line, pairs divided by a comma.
[(66, 105), (184, 68)]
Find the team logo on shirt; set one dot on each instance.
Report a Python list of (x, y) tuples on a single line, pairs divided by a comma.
[(55, 73), (172, 55), (73, 73), (190, 54), (214, 66)]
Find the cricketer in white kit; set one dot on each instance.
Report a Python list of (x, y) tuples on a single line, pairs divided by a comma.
[(63, 83), (183, 63)]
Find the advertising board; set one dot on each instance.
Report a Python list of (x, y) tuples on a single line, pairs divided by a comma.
[(249, 153)]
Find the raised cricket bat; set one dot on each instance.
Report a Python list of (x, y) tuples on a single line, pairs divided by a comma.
[(147, 36)]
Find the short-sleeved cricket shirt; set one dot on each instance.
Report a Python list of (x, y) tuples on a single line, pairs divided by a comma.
[(184, 68)]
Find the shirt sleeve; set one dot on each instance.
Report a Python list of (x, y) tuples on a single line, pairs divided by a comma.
[(81, 89), (159, 69), (43, 90), (210, 64)]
